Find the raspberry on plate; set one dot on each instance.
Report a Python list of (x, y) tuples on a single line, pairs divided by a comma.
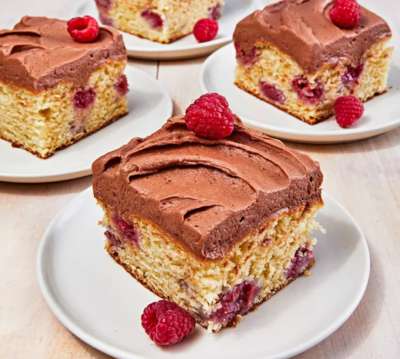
[(345, 14), (83, 29), (166, 323), (210, 117), (205, 30), (348, 110)]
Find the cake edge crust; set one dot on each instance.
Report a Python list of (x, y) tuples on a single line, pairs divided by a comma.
[(37, 154), (234, 322), (309, 122)]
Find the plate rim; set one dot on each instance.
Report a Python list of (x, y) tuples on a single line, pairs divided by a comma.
[(36, 177), (320, 137), (114, 351)]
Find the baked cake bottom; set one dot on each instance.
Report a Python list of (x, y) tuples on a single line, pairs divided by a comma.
[(52, 119), (274, 77), (218, 293), (165, 24)]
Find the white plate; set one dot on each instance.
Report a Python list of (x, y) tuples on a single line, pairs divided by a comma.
[(186, 47), (150, 106), (382, 113), (101, 304)]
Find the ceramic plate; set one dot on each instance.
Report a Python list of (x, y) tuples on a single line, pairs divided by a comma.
[(149, 105), (186, 47), (382, 113), (101, 304)]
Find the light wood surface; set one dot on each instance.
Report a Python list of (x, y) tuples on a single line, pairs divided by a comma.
[(364, 176)]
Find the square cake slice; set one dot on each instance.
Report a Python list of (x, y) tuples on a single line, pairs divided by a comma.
[(163, 21), (293, 56), (216, 226), (54, 90)]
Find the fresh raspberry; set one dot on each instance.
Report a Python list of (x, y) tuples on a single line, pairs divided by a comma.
[(348, 110), (83, 29), (205, 30), (166, 323), (345, 14), (210, 117)]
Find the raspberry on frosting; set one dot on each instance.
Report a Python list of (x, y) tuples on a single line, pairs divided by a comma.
[(83, 29), (210, 117), (205, 30), (348, 110), (166, 323), (345, 14)]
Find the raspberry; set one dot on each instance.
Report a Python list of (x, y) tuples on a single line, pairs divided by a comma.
[(352, 75), (205, 30), (348, 110), (127, 229), (307, 92), (215, 12), (84, 98), (122, 86), (105, 4), (272, 92), (166, 323), (83, 29), (345, 14), (153, 19), (239, 300), (210, 117)]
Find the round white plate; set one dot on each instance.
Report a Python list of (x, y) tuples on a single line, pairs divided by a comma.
[(101, 304), (382, 113), (149, 105), (186, 47)]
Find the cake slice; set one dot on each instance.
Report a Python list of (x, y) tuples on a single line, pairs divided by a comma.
[(163, 21), (54, 90), (293, 56), (216, 226)]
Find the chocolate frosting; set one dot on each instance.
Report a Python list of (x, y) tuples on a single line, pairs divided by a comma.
[(39, 53), (206, 194), (303, 30)]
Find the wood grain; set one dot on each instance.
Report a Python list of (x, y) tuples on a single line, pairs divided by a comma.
[(364, 176)]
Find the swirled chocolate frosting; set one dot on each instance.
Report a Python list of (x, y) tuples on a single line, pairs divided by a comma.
[(206, 194), (303, 30), (39, 53)]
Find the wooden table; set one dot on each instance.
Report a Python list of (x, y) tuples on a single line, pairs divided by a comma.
[(364, 176)]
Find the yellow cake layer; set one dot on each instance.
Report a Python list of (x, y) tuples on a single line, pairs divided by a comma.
[(179, 17), (173, 273), (278, 69), (43, 122)]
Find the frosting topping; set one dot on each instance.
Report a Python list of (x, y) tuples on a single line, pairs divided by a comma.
[(206, 194), (303, 30), (39, 53)]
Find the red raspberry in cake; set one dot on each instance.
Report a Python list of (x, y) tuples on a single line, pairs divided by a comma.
[(122, 85), (272, 92), (307, 92), (84, 98), (345, 14), (153, 19), (210, 117), (205, 30), (348, 110), (83, 29), (166, 323), (215, 12)]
